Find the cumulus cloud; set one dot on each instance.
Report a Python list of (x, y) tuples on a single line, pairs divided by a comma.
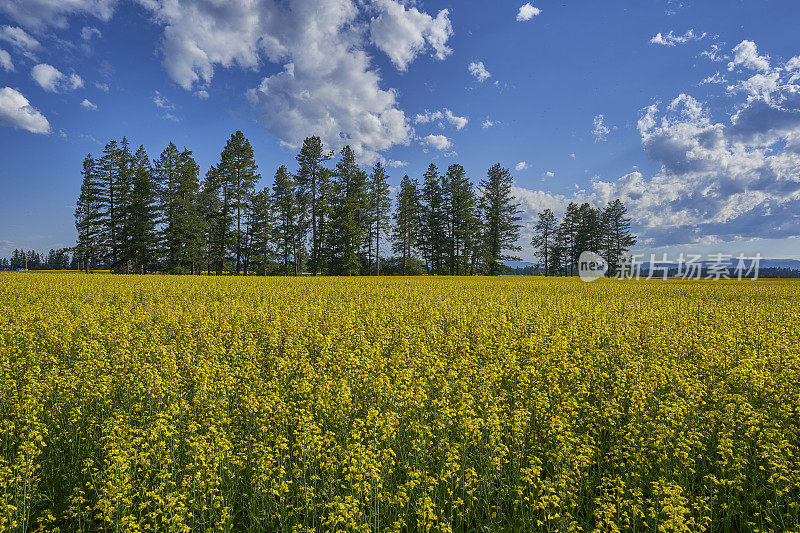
[(527, 12), (672, 39), (5, 61), (599, 129), (721, 180), (440, 142), (428, 116), (715, 78), (396, 164), (17, 112), (403, 34), (522, 165), (328, 85), (40, 14), (20, 40), (477, 69), (486, 124), (88, 105), (745, 55), (53, 80)]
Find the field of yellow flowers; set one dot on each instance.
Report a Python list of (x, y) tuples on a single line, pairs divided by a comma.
[(398, 404)]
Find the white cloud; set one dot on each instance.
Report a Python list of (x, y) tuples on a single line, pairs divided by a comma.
[(89, 32), (428, 116), (162, 102), (328, 85), (171, 117), (600, 130), (522, 165), (714, 79), (403, 34), (572, 156), (396, 164), (745, 54), (39, 14), (88, 105), (549, 174), (102, 86), (458, 122), (5, 61), (486, 124), (714, 53), (20, 40), (17, 112), (53, 80), (527, 12), (432, 116), (671, 39), (202, 94), (477, 69), (440, 142)]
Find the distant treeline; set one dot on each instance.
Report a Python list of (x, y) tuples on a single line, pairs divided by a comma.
[(134, 215), (559, 243), (55, 259)]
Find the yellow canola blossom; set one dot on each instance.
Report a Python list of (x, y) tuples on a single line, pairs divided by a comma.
[(398, 404)]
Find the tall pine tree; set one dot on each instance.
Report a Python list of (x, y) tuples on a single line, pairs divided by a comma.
[(501, 214)]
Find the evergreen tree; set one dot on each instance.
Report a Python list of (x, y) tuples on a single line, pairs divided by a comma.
[(89, 216), (262, 231), (187, 227), (238, 169), (380, 211), (407, 221), (566, 237), (433, 229), (461, 219), (166, 170), (111, 200), (588, 231), (142, 213), (349, 214), (500, 213), (542, 241), (286, 210), (617, 237), (311, 158)]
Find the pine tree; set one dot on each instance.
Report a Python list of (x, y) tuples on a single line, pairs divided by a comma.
[(186, 236), (542, 240), (238, 168), (348, 216), (461, 218), (111, 211), (380, 211), (166, 171), (311, 158), (589, 232), (434, 232), (407, 219), (617, 237), (262, 231), (89, 217), (142, 213), (566, 237), (500, 213), (286, 210)]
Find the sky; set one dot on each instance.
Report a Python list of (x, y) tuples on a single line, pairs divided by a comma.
[(688, 111)]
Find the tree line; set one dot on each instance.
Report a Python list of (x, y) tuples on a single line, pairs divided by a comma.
[(559, 243), (137, 215), (55, 259)]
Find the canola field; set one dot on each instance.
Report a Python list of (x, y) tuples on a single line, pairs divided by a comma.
[(398, 404)]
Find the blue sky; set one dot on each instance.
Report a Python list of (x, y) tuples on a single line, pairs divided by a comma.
[(689, 111)]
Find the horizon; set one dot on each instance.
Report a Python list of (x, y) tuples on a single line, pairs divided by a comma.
[(688, 112)]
